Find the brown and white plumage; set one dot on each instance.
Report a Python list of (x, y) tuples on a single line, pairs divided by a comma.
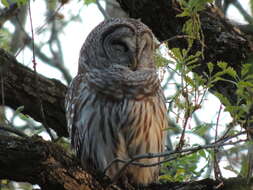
[(115, 106)]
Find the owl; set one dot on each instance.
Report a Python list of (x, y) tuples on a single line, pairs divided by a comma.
[(115, 106)]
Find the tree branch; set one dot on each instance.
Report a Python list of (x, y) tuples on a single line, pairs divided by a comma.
[(20, 90), (44, 163), (7, 13)]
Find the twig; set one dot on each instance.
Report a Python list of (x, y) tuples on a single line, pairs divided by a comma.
[(101, 9), (178, 153), (58, 61), (49, 19), (187, 113), (31, 23), (243, 12), (42, 56), (217, 171), (7, 13), (217, 123), (181, 141), (2, 88), (164, 154), (15, 131), (180, 37), (36, 76), (229, 137), (229, 126)]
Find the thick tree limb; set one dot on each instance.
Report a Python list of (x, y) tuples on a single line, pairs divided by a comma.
[(44, 163), (20, 89), (222, 41)]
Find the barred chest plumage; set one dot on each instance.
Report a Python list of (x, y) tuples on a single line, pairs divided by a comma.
[(123, 128)]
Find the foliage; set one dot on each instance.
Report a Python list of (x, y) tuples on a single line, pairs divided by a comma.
[(185, 168), (192, 26), (192, 93), (5, 38)]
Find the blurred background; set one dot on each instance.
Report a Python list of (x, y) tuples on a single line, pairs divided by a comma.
[(61, 27)]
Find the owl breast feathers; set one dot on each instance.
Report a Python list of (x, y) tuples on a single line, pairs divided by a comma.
[(115, 106)]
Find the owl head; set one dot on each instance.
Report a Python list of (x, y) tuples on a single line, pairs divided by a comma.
[(118, 41)]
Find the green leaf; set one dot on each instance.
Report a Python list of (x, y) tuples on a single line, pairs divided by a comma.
[(19, 110), (245, 69), (231, 72), (244, 167), (216, 78), (248, 77), (5, 38), (223, 99), (210, 67), (177, 53), (188, 80), (180, 171), (192, 58), (167, 177), (23, 117), (183, 14), (21, 2), (200, 130), (230, 168), (5, 3), (223, 65), (244, 84), (87, 2), (192, 6), (218, 74), (199, 80), (161, 61), (202, 153), (52, 4)]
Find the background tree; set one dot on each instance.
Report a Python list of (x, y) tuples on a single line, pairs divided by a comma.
[(207, 53)]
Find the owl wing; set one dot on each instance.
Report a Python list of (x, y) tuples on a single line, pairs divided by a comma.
[(91, 124), (71, 101)]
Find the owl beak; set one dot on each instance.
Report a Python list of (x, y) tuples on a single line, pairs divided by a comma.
[(134, 63), (137, 57), (133, 52)]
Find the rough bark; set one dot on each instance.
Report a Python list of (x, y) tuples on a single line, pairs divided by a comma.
[(222, 41), (39, 97), (44, 163), (113, 9)]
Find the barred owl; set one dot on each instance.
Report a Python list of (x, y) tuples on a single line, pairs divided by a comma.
[(115, 106)]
